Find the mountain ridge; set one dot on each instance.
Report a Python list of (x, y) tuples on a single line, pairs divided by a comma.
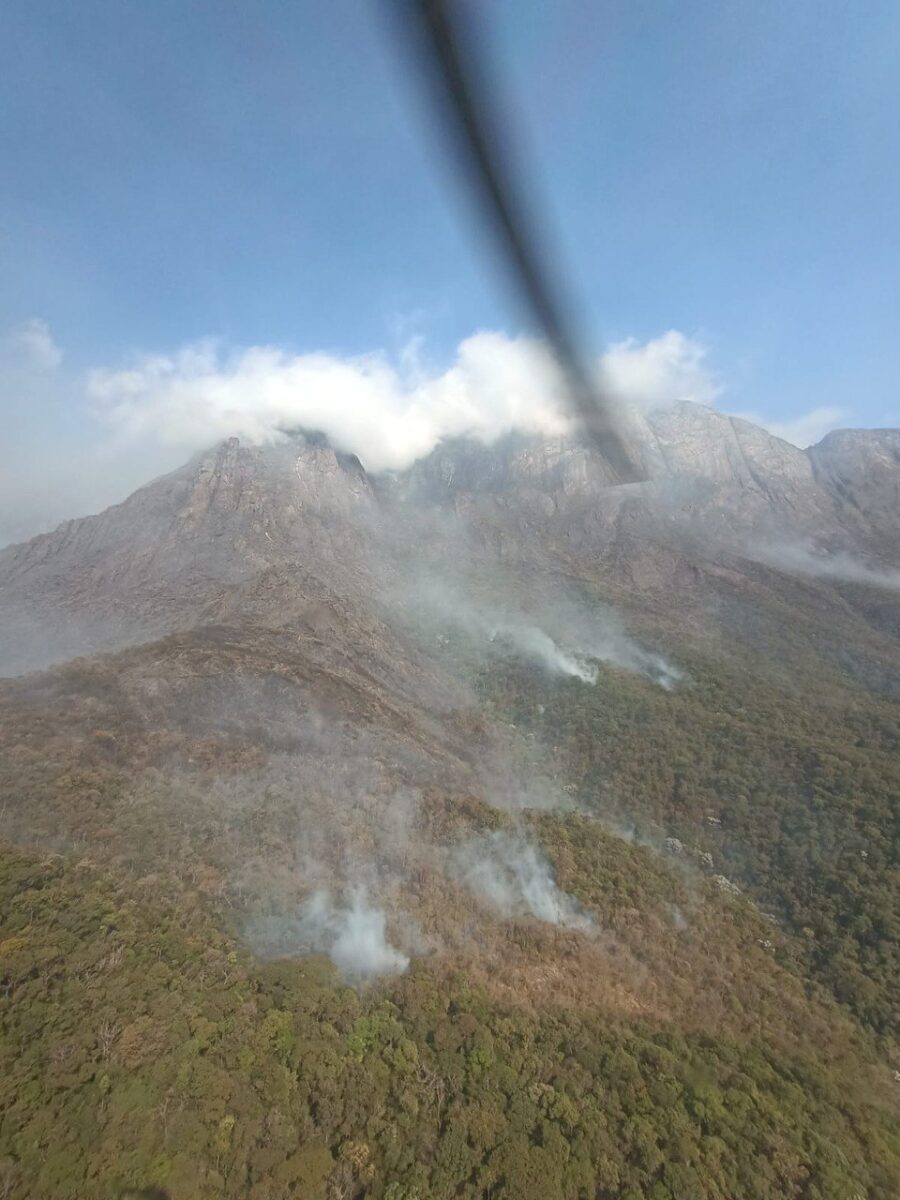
[(170, 552), (546, 823)]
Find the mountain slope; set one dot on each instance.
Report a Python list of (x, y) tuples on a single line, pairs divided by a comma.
[(589, 796), (181, 544), (232, 521)]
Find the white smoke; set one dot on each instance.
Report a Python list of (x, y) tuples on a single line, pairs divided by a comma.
[(800, 559), (536, 646), (610, 644), (605, 641), (352, 933), (514, 877), (571, 639)]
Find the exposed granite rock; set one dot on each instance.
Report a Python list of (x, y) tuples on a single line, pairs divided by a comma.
[(297, 531)]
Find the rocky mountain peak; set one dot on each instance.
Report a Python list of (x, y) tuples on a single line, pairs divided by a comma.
[(179, 544), (860, 470), (237, 526)]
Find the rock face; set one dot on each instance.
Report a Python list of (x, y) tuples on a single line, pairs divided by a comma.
[(163, 559), (299, 532), (716, 474), (860, 470), (721, 492)]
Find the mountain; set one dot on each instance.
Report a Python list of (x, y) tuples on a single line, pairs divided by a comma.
[(229, 528), (718, 484), (476, 830), (175, 549)]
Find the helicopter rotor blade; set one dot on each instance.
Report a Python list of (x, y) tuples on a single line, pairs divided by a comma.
[(450, 54)]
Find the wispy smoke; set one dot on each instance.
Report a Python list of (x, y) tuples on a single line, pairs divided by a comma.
[(514, 877), (533, 644), (608, 643), (800, 559), (353, 934), (570, 639)]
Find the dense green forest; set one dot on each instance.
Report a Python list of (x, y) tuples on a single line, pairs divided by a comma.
[(724, 1030), (797, 802), (142, 1045)]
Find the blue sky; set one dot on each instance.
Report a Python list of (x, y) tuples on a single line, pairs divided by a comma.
[(266, 174)]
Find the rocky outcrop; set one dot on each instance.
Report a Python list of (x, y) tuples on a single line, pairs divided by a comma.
[(860, 470), (160, 560), (293, 531), (712, 476)]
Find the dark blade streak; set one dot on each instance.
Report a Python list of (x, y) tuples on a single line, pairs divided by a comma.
[(460, 85)]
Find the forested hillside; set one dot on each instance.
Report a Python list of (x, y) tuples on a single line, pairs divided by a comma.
[(142, 1044), (797, 803), (679, 1053), (513, 843)]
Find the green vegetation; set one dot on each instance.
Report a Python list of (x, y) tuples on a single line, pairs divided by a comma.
[(797, 802), (701, 1044), (142, 1047)]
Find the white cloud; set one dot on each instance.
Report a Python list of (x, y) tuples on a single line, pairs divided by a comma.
[(131, 424), (33, 394), (30, 347), (389, 414), (804, 430), (660, 372)]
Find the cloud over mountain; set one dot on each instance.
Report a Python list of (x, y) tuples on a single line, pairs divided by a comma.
[(101, 434), (389, 414)]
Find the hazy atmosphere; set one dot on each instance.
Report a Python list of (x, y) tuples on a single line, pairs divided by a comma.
[(193, 246), (449, 600)]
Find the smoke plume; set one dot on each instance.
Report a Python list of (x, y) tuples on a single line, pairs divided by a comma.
[(514, 877), (799, 559), (537, 646), (353, 933), (570, 638)]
